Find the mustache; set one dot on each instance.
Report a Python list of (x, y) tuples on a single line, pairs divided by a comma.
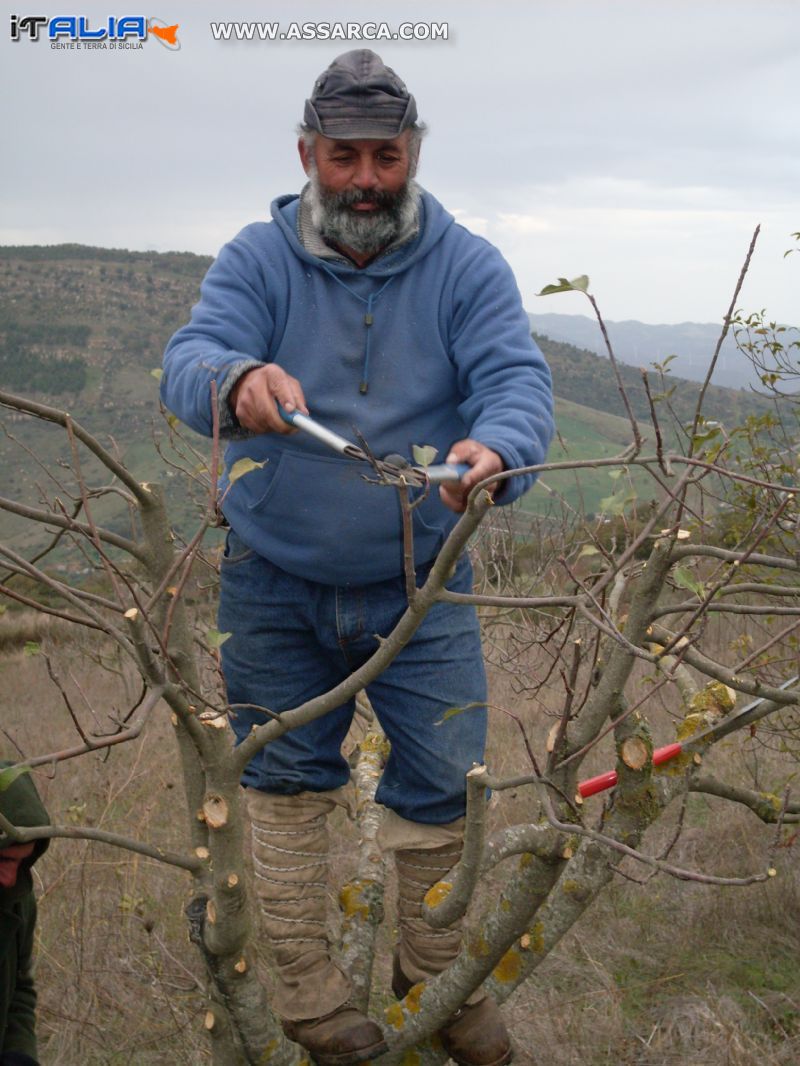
[(382, 199)]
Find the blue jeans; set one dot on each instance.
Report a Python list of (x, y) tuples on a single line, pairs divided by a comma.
[(294, 639)]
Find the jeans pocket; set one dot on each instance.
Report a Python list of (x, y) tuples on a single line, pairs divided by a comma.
[(236, 551)]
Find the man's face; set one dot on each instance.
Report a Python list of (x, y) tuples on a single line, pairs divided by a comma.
[(10, 859), (361, 190), (366, 166)]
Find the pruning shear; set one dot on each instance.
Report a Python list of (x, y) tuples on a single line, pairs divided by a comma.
[(661, 755), (392, 467)]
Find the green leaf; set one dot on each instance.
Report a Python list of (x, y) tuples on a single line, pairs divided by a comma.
[(579, 284), (685, 579), (157, 373), (614, 474), (130, 904), (619, 502), (76, 811), (244, 466), (588, 549), (451, 712), (31, 648), (215, 638), (10, 775), (424, 454), (704, 435)]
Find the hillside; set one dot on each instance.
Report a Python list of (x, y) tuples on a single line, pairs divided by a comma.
[(83, 328), (588, 379), (641, 344), (583, 433)]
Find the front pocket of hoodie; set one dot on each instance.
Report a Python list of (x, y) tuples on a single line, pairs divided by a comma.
[(319, 519)]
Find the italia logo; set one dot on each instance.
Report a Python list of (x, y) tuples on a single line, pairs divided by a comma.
[(78, 28)]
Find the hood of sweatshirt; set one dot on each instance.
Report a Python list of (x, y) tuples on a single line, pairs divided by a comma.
[(21, 805)]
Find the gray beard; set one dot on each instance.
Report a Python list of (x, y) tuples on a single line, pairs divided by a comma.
[(364, 233)]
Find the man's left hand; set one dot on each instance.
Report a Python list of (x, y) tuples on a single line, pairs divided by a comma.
[(483, 462)]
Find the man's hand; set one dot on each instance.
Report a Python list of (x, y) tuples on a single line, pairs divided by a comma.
[(483, 461), (254, 397)]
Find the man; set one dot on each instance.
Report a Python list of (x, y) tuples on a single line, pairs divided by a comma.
[(364, 304), (20, 804)]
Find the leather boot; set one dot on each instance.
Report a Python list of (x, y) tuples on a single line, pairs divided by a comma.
[(290, 863), (475, 1035), (345, 1036)]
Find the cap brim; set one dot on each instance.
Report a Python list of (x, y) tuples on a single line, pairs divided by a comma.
[(352, 129), (353, 123)]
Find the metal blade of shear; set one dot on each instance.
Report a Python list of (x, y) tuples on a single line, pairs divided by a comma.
[(326, 436)]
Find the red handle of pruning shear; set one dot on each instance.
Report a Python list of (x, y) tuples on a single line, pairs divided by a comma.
[(722, 729), (607, 780)]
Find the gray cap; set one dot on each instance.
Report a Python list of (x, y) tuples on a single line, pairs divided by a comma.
[(359, 97)]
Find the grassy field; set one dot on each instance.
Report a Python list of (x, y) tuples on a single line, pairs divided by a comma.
[(654, 974), (583, 433)]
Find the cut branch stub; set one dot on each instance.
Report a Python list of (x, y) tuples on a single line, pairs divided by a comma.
[(215, 811), (213, 719), (634, 753), (448, 900), (716, 699)]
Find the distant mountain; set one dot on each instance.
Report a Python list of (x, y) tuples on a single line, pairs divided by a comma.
[(641, 344), (584, 378)]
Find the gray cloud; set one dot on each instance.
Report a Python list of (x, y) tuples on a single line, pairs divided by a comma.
[(601, 132)]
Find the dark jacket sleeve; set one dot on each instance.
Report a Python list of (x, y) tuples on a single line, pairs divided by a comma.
[(20, 1034)]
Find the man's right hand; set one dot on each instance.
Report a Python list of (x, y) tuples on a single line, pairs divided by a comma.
[(254, 397)]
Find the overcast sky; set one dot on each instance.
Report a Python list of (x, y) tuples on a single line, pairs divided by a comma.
[(639, 142)]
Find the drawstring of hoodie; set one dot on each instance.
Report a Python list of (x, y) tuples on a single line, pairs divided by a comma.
[(369, 302)]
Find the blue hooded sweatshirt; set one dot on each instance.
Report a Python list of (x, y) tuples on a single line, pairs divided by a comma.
[(427, 345)]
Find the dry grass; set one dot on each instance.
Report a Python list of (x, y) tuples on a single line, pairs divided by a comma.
[(118, 981), (18, 628), (668, 972), (659, 974)]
